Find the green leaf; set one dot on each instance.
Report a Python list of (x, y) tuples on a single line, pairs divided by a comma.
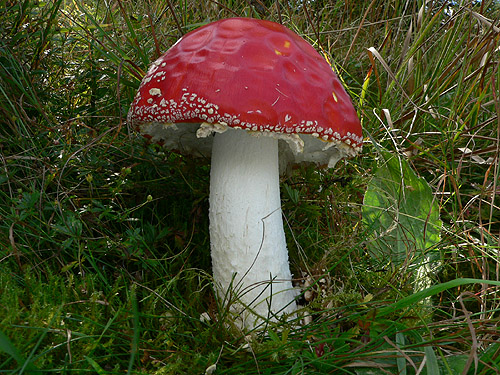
[(401, 214), (454, 364)]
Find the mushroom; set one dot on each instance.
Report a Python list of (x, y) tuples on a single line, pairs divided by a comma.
[(256, 98)]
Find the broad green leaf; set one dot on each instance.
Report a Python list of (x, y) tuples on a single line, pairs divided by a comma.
[(400, 213)]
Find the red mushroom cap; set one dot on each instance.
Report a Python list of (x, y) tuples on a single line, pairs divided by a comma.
[(251, 74)]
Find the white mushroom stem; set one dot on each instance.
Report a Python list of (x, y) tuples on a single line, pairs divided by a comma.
[(249, 253)]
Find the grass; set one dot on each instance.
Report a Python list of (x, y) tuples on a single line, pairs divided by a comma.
[(104, 251)]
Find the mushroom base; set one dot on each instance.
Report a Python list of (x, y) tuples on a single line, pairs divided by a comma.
[(249, 253)]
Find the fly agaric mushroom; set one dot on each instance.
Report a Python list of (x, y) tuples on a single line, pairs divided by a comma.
[(244, 91)]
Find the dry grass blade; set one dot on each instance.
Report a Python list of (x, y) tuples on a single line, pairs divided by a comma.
[(174, 16), (372, 51), (496, 100), (358, 31), (474, 347), (400, 351), (485, 21)]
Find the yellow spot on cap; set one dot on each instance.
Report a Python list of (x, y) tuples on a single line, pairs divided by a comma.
[(334, 96), (277, 52), (286, 44)]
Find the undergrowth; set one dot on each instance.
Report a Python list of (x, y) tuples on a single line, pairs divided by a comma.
[(104, 250)]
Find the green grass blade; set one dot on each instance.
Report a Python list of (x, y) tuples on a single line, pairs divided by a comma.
[(136, 328), (413, 299), (98, 369), (7, 347), (400, 360)]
